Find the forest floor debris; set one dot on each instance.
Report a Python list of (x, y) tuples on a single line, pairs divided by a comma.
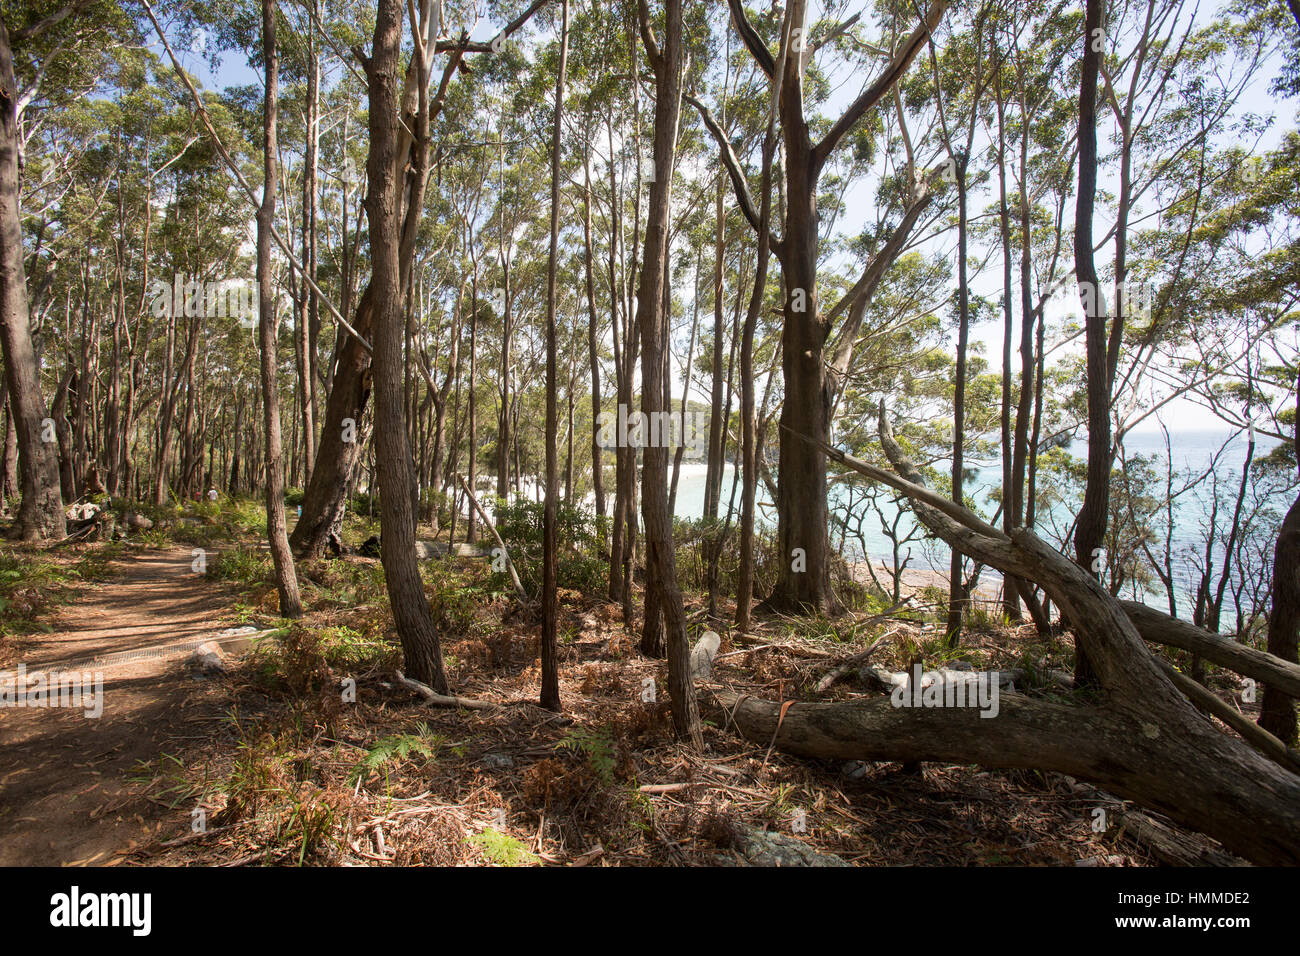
[(310, 750)]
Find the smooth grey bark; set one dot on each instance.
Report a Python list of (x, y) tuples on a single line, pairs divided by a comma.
[(40, 514)]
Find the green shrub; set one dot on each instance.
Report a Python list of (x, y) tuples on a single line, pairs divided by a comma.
[(582, 565), (247, 566), (455, 602)]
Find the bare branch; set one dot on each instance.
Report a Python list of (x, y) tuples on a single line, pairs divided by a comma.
[(749, 36), (881, 87), (729, 160)]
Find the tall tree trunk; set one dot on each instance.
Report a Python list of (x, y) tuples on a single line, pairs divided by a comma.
[(717, 424), (63, 434), (471, 465), (620, 502), (593, 352), (802, 515), (308, 314), (802, 532), (40, 515), (550, 693), (286, 579), (10, 465), (749, 451), (661, 570), (340, 448), (957, 598), (1010, 587), (415, 627), (1090, 529), (503, 386)]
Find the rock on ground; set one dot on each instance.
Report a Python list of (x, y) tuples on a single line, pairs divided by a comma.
[(759, 848)]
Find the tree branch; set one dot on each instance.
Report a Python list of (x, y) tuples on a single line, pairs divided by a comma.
[(749, 36), (493, 45), (729, 160), (877, 90), (251, 196), (40, 26)]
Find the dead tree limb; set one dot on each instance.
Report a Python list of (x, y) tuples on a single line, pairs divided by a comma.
[(434, 699), (844, 667), (1143, 740), (1159, 628), (505, 552)]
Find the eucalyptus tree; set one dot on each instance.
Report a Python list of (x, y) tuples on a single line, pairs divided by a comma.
[(965, 55), (421, 101), (665, 57), (40, 514), (802, 528), (550, 693), (286, 579), (1167, 85)]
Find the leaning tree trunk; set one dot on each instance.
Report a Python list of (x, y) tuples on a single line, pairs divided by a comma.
[(339, 447), (411, 613), (1245, 802), (286, 579), (41, 513), (1143, 740)]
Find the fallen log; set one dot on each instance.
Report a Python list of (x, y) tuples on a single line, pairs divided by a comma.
[(1159, 628), (1142, 739), (1258, 819)]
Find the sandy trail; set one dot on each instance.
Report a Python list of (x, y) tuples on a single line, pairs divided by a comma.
[(64, 794)]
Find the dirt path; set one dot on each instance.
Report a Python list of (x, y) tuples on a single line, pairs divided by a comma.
[(64, 794)]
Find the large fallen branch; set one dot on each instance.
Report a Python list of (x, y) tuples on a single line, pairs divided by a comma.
[(1143, 740), (1119, 751), (505, 552), (1159, 628)]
